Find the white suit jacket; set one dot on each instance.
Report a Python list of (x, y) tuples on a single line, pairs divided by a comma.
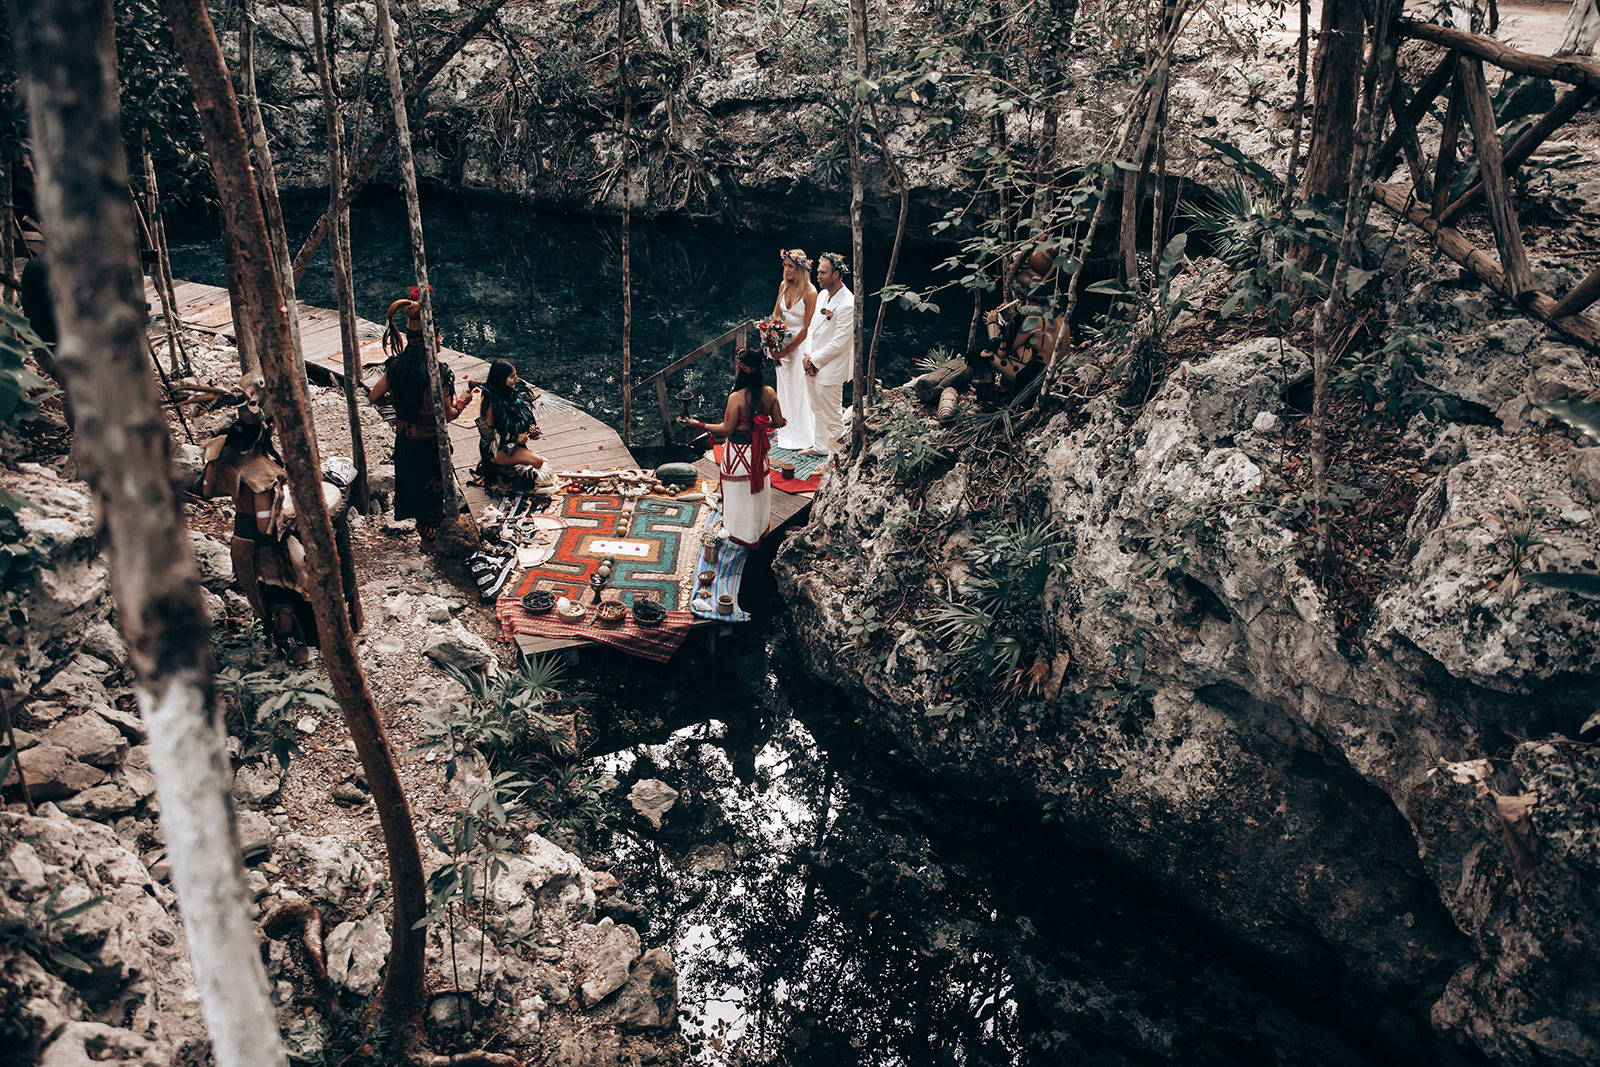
[(833, 336)]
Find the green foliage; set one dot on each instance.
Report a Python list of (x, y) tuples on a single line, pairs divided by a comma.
[(21, 557), (38, 932), (21, 390), (262, 698), (864, 625), (994, 621), (1143, 319), (910, 442), (1253, 232), (520, 723), (1390, 380), (355, 1039)]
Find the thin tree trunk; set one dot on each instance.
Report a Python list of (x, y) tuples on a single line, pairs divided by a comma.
[(1376, 84), (220, 123), (858, 39), (419, 259), (322, 36), (381, 139), (169, 308), (1291, 180), (67, 54), (277, 231), (1133, 180), (903, 188), (625, 91), (7, 211)]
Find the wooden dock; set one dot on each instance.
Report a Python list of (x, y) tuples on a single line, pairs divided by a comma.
[(572, 439)]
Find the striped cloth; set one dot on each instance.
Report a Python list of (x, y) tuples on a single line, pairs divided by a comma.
[(729, 573)]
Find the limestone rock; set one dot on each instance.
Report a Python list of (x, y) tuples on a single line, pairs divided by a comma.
[(257, 782), (128, 788), (456, 646), (82, 1044), (188, 464), (550, 877), (1240, 383), (89, 738), (652, 799), (649, 1000), (356, 953), (326, 868), (128, 723), (605, 953), (214, 561), (52, 773)]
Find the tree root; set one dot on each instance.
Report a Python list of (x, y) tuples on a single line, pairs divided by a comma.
[(475, 1058), (299, 914)]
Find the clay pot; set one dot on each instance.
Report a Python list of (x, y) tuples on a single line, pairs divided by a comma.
[(725, 604)]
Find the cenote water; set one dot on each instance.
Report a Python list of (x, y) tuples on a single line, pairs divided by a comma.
[(825, 906)]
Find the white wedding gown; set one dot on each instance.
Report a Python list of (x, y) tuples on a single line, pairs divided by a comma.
[(794, 393)]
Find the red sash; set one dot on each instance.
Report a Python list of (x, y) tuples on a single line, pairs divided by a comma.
[(760, 441)]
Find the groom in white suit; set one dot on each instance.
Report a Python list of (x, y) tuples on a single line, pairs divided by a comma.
[(829, 365)]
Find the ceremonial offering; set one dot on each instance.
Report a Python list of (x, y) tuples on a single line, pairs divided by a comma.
[(539, 602), (647, 612), (610, 613), (725, 604)]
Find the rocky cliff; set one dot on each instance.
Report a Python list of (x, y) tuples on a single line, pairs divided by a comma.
[(1389, 810)]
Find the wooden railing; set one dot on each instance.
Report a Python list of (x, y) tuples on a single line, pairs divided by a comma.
[(1428, 203), (736, 337)]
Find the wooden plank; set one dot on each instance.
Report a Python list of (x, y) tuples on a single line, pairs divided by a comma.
[(1454, 244), (1526, 144), (698, 354), (1575, 70), (1492, 169), (1445, 170), (1583, 294)]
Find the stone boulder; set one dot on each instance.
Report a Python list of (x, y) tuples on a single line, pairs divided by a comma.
[(90, 738), (326, 868), (456, 646), (51, 773), (603, 956), (356, 953), (652, 799), (649, 999)]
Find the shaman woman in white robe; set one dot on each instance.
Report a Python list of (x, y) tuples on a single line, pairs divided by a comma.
[(751, 414), (797, 301)]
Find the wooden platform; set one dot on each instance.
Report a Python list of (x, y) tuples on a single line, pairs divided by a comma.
[(572, 439)]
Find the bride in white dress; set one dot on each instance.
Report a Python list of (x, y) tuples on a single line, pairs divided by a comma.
[(797, 301)]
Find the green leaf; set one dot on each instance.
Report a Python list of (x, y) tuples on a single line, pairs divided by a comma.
[(1357, 279), (62, 958), (1172, 256), (1109, 287), (1245, 165), (77, 909)]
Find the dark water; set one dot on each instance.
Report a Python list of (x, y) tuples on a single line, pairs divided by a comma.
[(543, 289)]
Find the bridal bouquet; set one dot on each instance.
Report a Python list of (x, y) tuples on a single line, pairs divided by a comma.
[(774, 332)]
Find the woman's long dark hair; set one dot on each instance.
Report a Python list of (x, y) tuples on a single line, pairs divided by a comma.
[(499, 373), (748, 377)]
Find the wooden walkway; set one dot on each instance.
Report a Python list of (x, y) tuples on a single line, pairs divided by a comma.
[(572, 439)]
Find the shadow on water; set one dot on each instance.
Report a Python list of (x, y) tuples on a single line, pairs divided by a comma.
[(827, 908)]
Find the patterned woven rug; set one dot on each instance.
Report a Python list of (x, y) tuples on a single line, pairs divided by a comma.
[(654, 543), (807, 469)]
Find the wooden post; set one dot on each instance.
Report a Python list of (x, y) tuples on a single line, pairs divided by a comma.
[(1492, 168), (666, 410), (1406, 130), (197, 45), (1454, 244), (1445, 169), (1583, 294), (1526, 144), (66, 54), (163, 279), (1431, 86), (1575, 70), (323, 40), (419, 260), (623, 90)]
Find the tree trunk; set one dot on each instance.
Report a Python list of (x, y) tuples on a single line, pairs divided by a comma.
[(624, 90), (1376, 85), (164, 295), (7, 211), (903, 188), (67, 55), (197, 45), (1291, 180), (1337, 82), (858, 40), (381, 139), (1581, 30), (277, 231), (419, 258), (323, 37)]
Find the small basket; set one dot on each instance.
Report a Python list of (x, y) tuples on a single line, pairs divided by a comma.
[(610, 613), (575, 613), (539, 602), (648, 612)]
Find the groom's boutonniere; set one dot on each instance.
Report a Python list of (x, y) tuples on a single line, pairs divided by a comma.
[(827, 313)]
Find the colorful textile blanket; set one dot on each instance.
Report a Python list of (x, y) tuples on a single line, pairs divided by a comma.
[(654, 543), (727, 575)]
